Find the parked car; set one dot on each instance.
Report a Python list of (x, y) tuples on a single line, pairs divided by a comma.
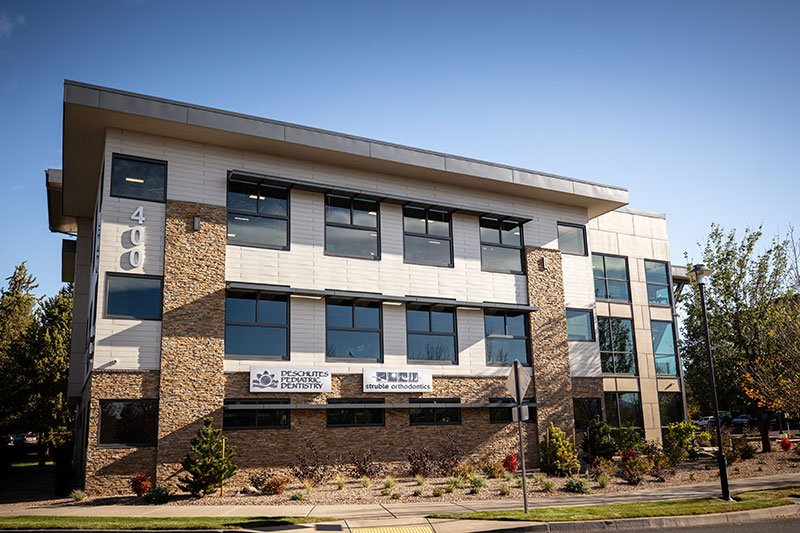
[(31, 439), (743, 423), (703, 422)]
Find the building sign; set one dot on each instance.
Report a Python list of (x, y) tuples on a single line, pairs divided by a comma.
[(289, 379), (397, 380)]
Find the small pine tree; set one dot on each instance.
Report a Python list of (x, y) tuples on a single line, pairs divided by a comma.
[(209, 463), (558, 453), (598, 441)]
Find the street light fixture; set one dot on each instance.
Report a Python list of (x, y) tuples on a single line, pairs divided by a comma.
[(700, 273)]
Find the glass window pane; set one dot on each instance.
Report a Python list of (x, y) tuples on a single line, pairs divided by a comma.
[(421, 416), (242, 195), (417, 320), (579, 325), (604, 333), (666, 365), (448, 415), (622, 335), (431, 347), (586, 410), (427, 251), (625, 363), (261, 231), (442, 321), (506, 351), (630, 409), (339, 417), (612, 413), (367, 316), (414, 219), (134, 297), (351, 242), (510, 232), (255, 341), (616, 268), (278, 418), (354, 345), (497, 259), (365, 213), (240, 307), (515, 324), (618, 290), (272, 309), (571, 240), (658, 294), (273, 200), (494, 324), (490, 230), (438, 223), (238, 418), (337, 209), (663, 339), (128, 423), (655, 272), (339, 315), (607, 363), (600, 289), (142, 180), (670, 407), (368, 417), (598, 269)]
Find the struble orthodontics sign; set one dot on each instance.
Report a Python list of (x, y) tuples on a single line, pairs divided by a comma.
[(397, 380), (289, 379)]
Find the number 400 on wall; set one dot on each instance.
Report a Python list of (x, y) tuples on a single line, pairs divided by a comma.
[(136, 255)]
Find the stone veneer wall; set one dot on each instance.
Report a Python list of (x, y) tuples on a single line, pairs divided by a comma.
[(193, 330), (548, 326), (108, 470), (587, 388)]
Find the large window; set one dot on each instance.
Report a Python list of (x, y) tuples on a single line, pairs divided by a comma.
[(580, 325), (624, 409), (354, 417), (353, 330), (133, 296), (586, 410), (431, 333), (434, 415), (351, 227), (256, 324), (255, 418), (501, 245), (138, 178), (658, 291), (572, 239), (617, 351), (505, 415), (666, 355), (427, 236), (611, 278), (258, 214), (128, 423), (670, 406), (506, 337)]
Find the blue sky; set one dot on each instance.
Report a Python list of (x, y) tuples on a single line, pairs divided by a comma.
[(693, 106)]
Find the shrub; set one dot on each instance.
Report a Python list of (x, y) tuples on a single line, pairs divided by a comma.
[(439, 492), (635, 467), (679, 441), (603, 481), (417, 492), (577, 485), (312, 466), (558, 453), (386, 491), (661, 466), (420, 480), (141, 484), (464, 471), (786, 444), (505, 490), (493, 469), (603, 467), (364, 464), (209, 463), (598, 441), (474, 490), (544, 482), (478, 481), (77, 495), (389, 482), (511, 462), (308, 486), (298, 496), (703, 438), (508, 476), (157, 496), (739, 449), (366, 482), (457, 482), (340, 482), (627, 438), (266, 483), (396, 496), (450, 487), (449, 457)]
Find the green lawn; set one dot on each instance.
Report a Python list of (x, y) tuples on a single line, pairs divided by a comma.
[(745, 501), (88, 522)]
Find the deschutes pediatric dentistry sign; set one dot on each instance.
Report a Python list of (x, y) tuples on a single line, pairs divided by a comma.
[(289, 379), (397, 380)]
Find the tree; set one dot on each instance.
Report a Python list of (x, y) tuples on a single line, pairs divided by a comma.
[(208, 463)]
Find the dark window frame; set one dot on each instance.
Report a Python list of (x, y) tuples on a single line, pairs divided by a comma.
[(674, 344), (640, 414), (433, 411), (267, 182), (257, 401), (508, 410), (376, 401), (668, 284), (117, 155), (103, 401), (352, 302), (376, 229), (591, 319), (520, 247), (527, 338), (427, 235), (605, 278), (109, 275), (273, 325), (585, 240), (615, 353), (430, 308)]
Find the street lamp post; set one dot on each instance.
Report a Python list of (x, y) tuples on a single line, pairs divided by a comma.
[(699, 273)]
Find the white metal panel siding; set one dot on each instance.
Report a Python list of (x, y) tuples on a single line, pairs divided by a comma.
[(584, 359)]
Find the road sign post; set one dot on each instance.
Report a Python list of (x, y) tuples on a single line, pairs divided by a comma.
[(517, 383)]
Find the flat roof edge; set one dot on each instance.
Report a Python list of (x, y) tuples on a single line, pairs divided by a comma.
[(641, 212)]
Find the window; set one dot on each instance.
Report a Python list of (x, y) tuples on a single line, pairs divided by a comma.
[(138, 178), (351, 227), (256, 324), (504, 415), (670, 406), (258, 214), (617, 352), (131, 423), (571, 239), (354, 417), (624, 409), (133, 296), (586, 410), (501, 245), (353, 330), (506, 337), (658, 291), (664, 348), (580, 325), (434, 415), (610, 277), (427, 236), (256, 418), (431, 333)]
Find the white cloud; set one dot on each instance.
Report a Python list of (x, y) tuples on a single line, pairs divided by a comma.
[(8, 23)]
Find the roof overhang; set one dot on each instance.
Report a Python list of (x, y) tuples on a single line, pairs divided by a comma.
[(89, 110), (57, 221)]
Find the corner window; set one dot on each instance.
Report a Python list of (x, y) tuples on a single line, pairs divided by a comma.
[(258, 214), (666, 355), (501, 245), (351, 227), (670, 406), (658, 290), (586, 410), (133, 296), (617, 349), (353, 330), (431, 333), (138, 178), (425, 416), (128, 423), (624, 409), (611, 277), (349, 417), (571, 239), (504, 415), (580, 325), (506, 337), (256, 324), (254, 417), (427, 236)]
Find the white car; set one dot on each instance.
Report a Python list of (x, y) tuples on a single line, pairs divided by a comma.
[(703, 422)]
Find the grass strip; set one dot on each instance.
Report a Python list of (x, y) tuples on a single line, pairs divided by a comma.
[(123, 523), (746, 501)]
